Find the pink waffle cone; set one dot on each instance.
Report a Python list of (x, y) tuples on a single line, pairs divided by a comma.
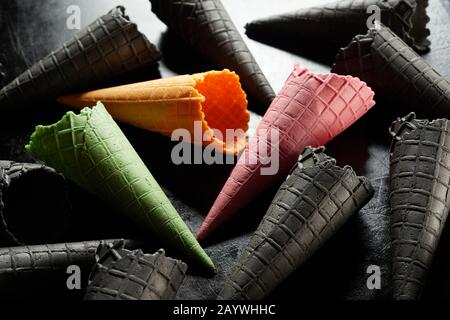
[(311, 109)]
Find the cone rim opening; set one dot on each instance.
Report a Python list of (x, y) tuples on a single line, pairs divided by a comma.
[(236, 110), (41, 130), (15, 196), (416, 31), (341, 54), (324, 76), (414, 124), (123, 13)]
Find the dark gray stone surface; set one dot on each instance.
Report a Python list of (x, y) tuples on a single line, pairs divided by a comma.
[(30, 29)]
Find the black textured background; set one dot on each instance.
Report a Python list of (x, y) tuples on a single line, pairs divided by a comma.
[(31, 29)]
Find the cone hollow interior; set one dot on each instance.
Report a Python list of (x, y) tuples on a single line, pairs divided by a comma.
[(31, 213)]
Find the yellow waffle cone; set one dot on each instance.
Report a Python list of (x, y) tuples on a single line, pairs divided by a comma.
[(215, 99)]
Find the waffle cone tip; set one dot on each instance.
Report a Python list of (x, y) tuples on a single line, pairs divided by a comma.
[(220, 212), (203, 233)]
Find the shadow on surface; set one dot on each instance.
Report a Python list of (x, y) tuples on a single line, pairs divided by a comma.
[(323, 53), (179, 57), (331, 272), (438, 284), (354, 154), (196, 185), (182, 59), (246, 220)]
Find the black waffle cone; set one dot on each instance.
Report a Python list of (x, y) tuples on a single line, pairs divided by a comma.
[(206, 26), (50, 257), (314, 202), (419, 199), (110, 46), (340, 21), (395, 72), (121, 274), (34, 205)]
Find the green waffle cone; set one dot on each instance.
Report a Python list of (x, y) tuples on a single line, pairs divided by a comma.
[(91, 150)]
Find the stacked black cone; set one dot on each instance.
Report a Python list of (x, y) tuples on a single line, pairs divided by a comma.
[(311, 205), (110, 46), (34, 204), (419, 199), (207, 27), (41, 271), (121, 274), (395, 72), (340, 21)]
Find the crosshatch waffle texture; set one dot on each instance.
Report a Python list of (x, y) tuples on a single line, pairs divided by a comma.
[(311, 109), (110, 46), (338, 22), (206, 26), (91, 150), (120, 274), (310, 206), (381, 55), (214, 98), (419, 199), (53, 211), (50, 257)]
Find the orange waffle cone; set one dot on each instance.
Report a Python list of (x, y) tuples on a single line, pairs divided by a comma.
[(215, 99)]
